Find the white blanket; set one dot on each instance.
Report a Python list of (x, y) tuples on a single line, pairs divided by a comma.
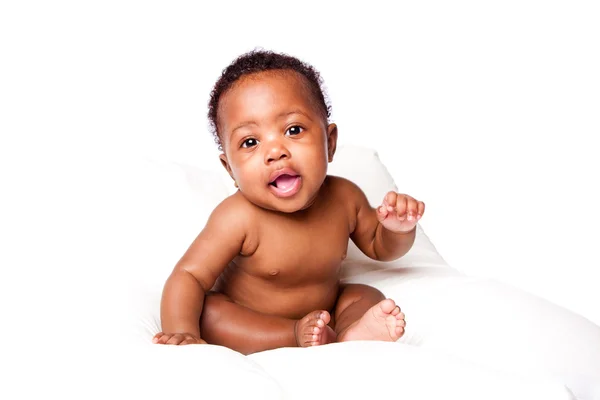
[(466, 337), (81, 326)]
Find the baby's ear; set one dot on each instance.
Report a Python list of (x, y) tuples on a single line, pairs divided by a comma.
[(332, 135), (225, 164)]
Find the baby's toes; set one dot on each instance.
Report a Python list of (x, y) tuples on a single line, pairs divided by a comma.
[(311, 328), (400, 326), (396, 311), (400, 316), (399, 331), (394, 328), (324, 317), (387, 306), (314, 335), (312, 317)]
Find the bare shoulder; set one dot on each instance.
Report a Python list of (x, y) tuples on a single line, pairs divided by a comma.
[(350, 191), (223, 237), (234, 214), (236, 220)]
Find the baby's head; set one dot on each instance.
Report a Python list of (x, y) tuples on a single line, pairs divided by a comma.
[(270, 118)]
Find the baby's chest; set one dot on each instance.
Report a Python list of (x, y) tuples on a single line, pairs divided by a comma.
[(298, 252)]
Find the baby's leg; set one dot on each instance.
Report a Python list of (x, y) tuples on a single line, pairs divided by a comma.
[(228, 324), (363, 313)]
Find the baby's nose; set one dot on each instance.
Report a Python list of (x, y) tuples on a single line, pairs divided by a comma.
[(277, 151)]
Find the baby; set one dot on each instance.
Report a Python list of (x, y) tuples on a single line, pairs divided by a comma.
[(265, 270)]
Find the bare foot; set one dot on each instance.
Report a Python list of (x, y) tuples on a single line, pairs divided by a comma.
[(313, 330), (383, 321)]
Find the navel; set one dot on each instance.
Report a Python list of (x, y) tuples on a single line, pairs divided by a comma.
[(274, 272)]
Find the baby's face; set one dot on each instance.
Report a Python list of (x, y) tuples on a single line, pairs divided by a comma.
[(276, 142)]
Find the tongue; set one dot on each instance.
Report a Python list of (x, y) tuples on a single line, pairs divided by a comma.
[(284, 182)]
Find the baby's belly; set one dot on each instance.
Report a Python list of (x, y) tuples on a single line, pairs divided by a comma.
[(270, 298)]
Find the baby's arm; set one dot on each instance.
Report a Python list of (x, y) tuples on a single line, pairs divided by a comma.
[(195, 274), (387, 233)]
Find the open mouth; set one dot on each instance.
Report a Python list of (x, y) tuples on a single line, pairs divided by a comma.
[(285, 183)]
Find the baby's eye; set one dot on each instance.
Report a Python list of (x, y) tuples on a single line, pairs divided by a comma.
[(294, 130), (249, 143)]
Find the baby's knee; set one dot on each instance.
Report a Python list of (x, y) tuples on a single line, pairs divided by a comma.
[(214, 307), (360, 291)]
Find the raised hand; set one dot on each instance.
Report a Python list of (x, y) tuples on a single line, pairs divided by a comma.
[(400, 212), (176, 338)]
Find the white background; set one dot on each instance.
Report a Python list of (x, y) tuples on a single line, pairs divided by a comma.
[(487, 111)]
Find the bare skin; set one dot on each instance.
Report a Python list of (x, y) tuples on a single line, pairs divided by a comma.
[(264, 272)]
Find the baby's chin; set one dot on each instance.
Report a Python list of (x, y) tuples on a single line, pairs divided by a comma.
[(287, 206)]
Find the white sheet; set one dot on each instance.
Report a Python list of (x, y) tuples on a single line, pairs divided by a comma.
[(466, 337)]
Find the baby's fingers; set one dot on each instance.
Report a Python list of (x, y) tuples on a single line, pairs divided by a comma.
[(382, 212), (191, 340), (162, 338), (176, 339), (157, 337), (389, 201), (401, 207), (421, 208), (165, 338), (412, 208)]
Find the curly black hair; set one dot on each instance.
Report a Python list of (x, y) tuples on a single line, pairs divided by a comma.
[(259, 61)]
